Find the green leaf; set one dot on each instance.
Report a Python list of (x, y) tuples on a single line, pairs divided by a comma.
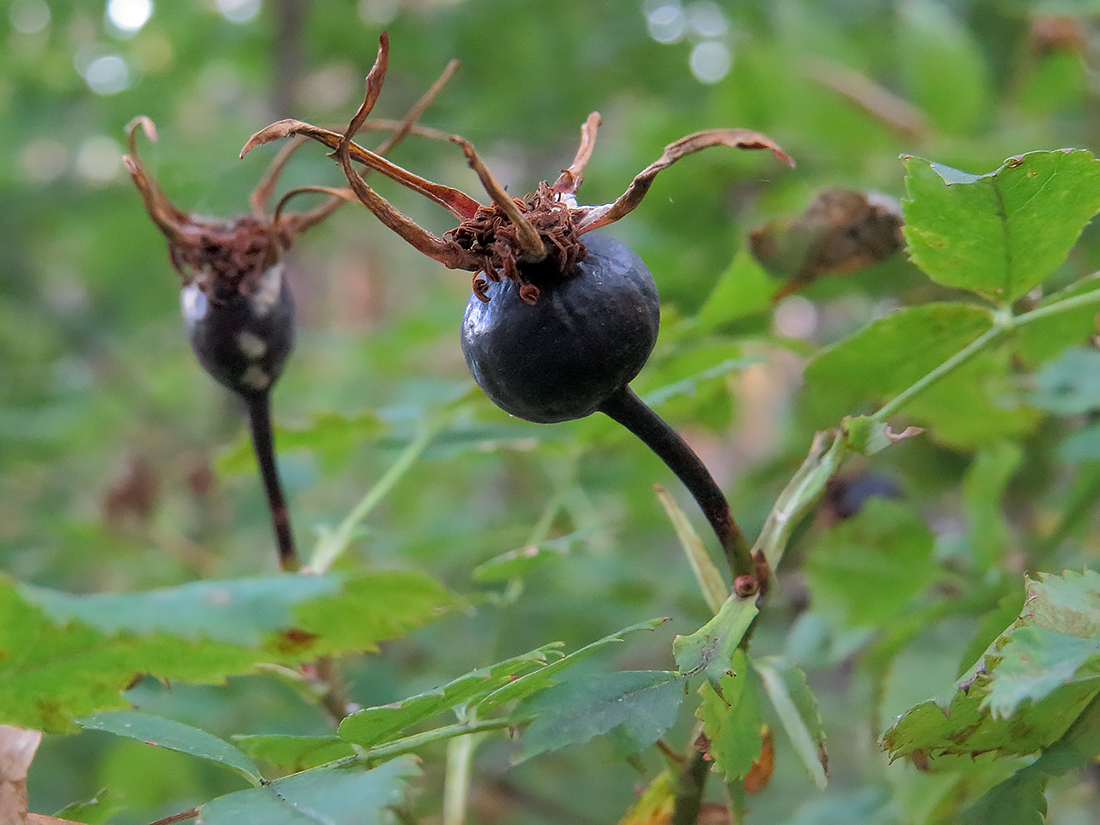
[(333, 796), (101, 808), (1000, 234), (1070, 384), (868, 567), (983, 488), (732, 721), (796, 707), (373, 726), (1032, 683), (745, 288), (523, 560), (1055, 642), (537, 680), (711, 647), (1040, 340), (886, 357), (293, 753), (63, 656), (1020, 798), (713, 586), (175, 736), (633, 707)]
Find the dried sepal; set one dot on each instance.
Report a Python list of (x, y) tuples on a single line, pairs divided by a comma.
[(541, 231), (531, 248), (458, 203), (593, 217), (569, 181), (163, 212)]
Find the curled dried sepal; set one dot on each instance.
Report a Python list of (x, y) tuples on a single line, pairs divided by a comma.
[(569, 181), (458, 203), (521, 239), (531, 248), (163, 212), (593, 217)]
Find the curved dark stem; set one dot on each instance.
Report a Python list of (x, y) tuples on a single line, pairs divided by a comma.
[(689, 789), (629, 410), (263, 442)]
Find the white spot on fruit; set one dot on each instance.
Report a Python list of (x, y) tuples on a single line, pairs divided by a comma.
[(255, 378), (251, 345), (267, 291), (193, 303)]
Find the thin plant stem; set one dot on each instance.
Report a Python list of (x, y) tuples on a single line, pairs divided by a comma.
[(263, 442), (456, 788), (409, 744), (957, 360), (625, 407), (689, 788), (1003, 324), (332, 545)]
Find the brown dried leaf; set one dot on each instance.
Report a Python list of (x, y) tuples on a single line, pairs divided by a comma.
[(593, 217), (841, 231)]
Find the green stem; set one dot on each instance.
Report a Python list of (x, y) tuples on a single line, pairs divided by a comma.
[(946, 368), (1003, 324), (332, 545), (418, 740)]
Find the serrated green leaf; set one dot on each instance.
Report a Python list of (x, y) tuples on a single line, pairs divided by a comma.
[(333, 796), (886, 357), (634, 707), (293, 753), (373, 726), (1020, 798), (732, 721), (866, 568), (175, 736), (796, 708), (745, 288), (1032, 683), (713, 586), (711, 648), (533, 682), (1055, 642), (1003, 233), (964, 726), (63, 656)]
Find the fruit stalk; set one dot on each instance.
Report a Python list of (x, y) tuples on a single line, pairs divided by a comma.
[(263, 442), (625, 407)]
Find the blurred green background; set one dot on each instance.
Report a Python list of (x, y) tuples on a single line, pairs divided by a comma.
[(123, 466)]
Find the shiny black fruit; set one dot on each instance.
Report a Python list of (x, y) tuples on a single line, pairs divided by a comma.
[(588, 335)]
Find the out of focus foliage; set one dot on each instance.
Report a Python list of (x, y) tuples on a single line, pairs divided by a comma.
[(124, 468)]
